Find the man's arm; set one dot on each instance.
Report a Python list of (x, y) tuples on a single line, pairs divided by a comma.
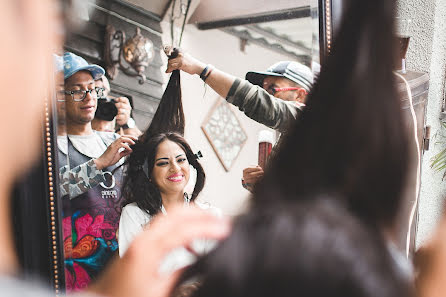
[(262, 107), (255, 102), (80, 179), (123, 118)]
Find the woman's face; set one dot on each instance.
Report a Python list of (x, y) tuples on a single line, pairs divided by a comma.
[(171, 169)]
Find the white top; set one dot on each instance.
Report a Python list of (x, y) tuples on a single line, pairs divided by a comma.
[(134, 220), (92, 145)]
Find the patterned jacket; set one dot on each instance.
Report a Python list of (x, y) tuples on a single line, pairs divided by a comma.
[(80, 179)]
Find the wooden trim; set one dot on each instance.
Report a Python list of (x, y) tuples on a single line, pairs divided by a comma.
[(300, 12), (325, 29), (54, 209), (36, 213)]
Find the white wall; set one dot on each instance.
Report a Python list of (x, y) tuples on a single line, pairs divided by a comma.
[(223, 189), (427, 52)]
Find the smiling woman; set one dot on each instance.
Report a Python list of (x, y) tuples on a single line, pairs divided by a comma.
[(171, 171), (157, 175)]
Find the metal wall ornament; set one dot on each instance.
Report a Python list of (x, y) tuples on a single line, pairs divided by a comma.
[(225, 133), (137, 52)]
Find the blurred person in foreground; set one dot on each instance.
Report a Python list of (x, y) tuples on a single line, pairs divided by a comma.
[(29, 28), (311, 249), (350, 141), (350, 146)]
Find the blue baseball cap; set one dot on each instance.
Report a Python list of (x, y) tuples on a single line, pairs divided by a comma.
[(296, 72), (73, 63)]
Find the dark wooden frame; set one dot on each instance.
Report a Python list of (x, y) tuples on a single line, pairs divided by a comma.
[(36, 213)]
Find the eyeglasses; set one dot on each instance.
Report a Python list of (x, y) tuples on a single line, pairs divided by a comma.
[(60, 96), (79, 95), (273, 90)]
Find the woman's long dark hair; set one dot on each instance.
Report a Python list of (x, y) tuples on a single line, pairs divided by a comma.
[(314, 248), (350, 145), (137, 186), (350, 139), (169, 117)]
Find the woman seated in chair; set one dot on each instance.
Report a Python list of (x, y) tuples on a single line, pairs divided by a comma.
[(157, 175)]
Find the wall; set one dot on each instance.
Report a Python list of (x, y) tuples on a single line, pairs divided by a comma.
[(223, 189), (88, 42), (427, 53)]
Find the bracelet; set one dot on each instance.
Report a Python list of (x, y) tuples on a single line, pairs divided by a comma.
[(129, 125), (203, 73), (206, 72), (209, 73)]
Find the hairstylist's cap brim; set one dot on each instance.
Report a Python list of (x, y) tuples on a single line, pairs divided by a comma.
[(73, 63), (296, 72)]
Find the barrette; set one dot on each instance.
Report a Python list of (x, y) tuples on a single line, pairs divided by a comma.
[(198, 155)]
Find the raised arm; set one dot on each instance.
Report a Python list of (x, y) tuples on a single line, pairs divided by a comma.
[(254, 101), (218, 80)]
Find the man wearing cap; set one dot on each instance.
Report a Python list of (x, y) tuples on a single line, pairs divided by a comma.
[(286, 80), (93, 215), (273, 98)]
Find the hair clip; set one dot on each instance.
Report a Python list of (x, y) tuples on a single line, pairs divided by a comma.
[(198, 155)]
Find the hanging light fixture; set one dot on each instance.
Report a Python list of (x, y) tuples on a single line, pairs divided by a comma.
[(137, 52)]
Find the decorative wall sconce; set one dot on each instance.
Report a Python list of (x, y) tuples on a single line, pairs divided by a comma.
[(136, 51)]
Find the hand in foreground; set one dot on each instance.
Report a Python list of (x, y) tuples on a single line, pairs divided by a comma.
[(137, 273), (430, 264), (184, 62), (124, 110), (115, 151)]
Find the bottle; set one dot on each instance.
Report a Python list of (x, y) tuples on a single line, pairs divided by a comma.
[(266, 139)]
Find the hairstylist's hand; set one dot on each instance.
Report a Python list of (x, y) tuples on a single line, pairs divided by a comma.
[(115, 151), (252, 174), (137, 273), (184, 62)]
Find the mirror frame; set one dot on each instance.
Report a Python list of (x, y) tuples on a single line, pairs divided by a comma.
[(36, 203), (330, 12), (36, 212)]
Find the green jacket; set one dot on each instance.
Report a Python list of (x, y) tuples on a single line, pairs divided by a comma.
[(262, 107)]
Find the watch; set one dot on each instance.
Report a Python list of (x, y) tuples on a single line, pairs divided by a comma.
[(130, 124)]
